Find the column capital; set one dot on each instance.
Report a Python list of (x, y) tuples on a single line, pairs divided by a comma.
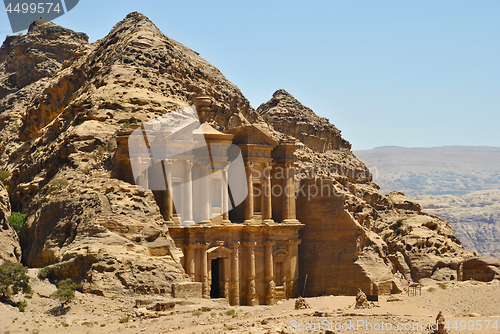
[(294, 242), (249, 164), (168, 161), (234, 244), (249, 244), (203, 163), (270, 243)]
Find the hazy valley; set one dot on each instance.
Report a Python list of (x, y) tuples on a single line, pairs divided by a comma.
[(458, 183)]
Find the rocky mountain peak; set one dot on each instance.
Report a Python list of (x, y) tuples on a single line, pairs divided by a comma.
[(25, 59), (291, 117)]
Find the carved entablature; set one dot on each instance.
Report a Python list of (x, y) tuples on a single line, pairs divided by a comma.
[(256, 153), (283, 152), (255, 145)]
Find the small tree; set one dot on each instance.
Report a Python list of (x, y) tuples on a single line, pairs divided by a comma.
[(4, 174), (44, 273), (17, 220), (13, 278), (65, 291)]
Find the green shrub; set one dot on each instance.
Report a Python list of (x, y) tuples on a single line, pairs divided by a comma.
[(442, 285), (103, 149), (126, 125), (7, 187), (4, 174), (197, 313), (44, 273), (231, 313), (13, 278), (17, 220), (431, 289), (65, 291), (124, 320), (22, 305)]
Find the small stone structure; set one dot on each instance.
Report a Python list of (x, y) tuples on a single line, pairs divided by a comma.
[(441, 322), (301, 303), (186, 290), (361, 300)]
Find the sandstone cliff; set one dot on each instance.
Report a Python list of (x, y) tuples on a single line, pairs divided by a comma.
[(10, 249), (475, 218), (86, 221), (59, 130)]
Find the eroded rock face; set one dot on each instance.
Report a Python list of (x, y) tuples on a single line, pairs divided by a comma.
[(427, 242), (10, 250), (338, 254), (105, 234), (480, 268), (39, 54)]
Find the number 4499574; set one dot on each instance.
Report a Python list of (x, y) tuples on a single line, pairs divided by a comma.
[(472, 325), (34, 7)]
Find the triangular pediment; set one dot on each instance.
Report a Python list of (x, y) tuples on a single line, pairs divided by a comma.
[(252, 135), (219, 252)]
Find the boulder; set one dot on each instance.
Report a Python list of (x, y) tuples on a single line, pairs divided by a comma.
[(480, 268)]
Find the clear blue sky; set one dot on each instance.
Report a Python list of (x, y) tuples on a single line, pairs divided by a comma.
[(406, 73)]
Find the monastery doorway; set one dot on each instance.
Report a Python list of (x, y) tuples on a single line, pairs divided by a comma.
[(217, 278)]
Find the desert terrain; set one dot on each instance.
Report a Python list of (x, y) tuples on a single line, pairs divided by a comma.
[(470, 301)]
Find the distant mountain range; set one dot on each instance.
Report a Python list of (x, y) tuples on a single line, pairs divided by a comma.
[(458, 183)]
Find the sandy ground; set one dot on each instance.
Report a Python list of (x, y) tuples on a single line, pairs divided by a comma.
[(471, 304)]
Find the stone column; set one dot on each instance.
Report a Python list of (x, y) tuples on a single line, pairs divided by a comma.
[(289, 194), (292, 267), (225, 197), (143, 179), (227, 274), (205, 195), (266, 195), (190, 260), (269, 272), (168, 207), (251, 289), (187, 203), (235, 266), (249, 208), (205, 289)]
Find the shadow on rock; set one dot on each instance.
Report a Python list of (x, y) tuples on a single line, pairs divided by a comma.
[(59, 310)]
